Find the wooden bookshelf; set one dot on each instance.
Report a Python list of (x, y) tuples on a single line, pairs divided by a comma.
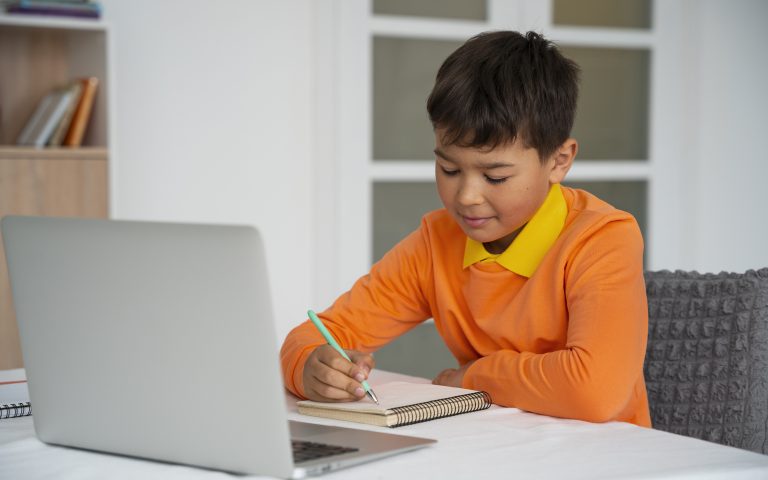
[(38, 54), (12, 152)]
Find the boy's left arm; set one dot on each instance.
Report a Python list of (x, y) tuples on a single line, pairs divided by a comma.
[(593, 378)]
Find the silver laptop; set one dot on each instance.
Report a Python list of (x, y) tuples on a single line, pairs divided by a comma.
[(157, 340)]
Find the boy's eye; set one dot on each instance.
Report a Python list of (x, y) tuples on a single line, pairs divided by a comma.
[(495, 181), (449, 172)]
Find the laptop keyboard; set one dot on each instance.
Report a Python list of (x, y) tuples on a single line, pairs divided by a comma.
[(304, 450)]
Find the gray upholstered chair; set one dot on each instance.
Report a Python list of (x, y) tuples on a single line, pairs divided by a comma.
[(706, 366)]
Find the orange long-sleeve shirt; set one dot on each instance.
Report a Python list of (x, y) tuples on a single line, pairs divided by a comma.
[(568, 342)]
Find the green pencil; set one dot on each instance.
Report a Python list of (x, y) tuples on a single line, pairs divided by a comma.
[(332, 342)]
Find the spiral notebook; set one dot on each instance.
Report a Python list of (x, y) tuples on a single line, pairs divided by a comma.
[(402, 403), (14, 399)]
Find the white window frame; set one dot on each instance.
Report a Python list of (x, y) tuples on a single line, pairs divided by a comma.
[(347, 170)]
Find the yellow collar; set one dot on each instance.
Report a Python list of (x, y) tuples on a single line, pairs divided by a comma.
[(529, 247)]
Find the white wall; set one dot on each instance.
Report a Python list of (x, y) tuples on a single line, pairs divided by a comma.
[(731, 126), (229, 112), (213, 104)]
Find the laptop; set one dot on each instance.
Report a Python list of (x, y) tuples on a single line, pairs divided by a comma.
[(156, 340)]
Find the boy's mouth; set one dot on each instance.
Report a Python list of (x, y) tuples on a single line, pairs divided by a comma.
[(476, 222)]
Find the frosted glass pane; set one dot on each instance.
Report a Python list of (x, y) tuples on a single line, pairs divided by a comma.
[(397, 211), (603, 13), (404, 72), (459, 9), (612, 116), (630, 196)]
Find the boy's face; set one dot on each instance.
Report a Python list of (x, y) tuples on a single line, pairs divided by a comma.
[(493, 193)]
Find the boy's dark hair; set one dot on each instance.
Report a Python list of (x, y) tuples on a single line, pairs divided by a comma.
[(503, 86)]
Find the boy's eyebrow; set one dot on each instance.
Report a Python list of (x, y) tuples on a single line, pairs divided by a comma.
[(487, 166), (491, 166), (442, 155)]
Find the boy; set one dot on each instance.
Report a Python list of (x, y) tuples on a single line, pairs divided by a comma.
[(536, 289)]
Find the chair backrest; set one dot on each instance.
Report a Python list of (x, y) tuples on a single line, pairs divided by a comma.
[(706, 367)]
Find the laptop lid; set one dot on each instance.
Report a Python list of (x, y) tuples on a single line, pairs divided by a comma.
[(157, 340), (149, 339)]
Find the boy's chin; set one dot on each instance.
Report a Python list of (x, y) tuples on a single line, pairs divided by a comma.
[(481, 235), (478, 236)]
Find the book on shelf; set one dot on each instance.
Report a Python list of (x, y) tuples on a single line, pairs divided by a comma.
[(57, 8), (46, 117), (57, 137), (82, 113), (37, 118), (401, 403), (14, 395), (61, 117)]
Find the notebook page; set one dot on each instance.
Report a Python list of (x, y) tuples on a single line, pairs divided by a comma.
[(13, 375), (13, 393)]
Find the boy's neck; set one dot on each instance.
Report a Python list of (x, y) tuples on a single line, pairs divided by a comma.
[(499, 246)]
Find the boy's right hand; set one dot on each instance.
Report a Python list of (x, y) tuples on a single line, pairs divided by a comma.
[(329, 377)]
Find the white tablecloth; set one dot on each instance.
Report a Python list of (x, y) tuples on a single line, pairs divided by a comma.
[(495, 443)]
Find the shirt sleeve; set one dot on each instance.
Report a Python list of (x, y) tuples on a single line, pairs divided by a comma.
[(594, 376), (380, 306)]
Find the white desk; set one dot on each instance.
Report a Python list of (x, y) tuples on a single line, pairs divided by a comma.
[(494, 443)]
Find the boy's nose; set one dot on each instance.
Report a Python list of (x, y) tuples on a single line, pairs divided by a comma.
[(469, 195)]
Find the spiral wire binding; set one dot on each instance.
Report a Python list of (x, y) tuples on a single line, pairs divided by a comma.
[(446, 407), (11, 410)]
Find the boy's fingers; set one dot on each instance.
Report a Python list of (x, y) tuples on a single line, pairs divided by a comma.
[(440, 379), (363, 360), (330, 357), (325, 392), (332, 377), (345, 367), (335, 385)]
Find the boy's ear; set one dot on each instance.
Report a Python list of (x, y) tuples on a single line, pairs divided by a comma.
[(563, 159)]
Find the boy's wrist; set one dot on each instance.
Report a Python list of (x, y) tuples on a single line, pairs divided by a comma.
[(467, 377), (298, 373)]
